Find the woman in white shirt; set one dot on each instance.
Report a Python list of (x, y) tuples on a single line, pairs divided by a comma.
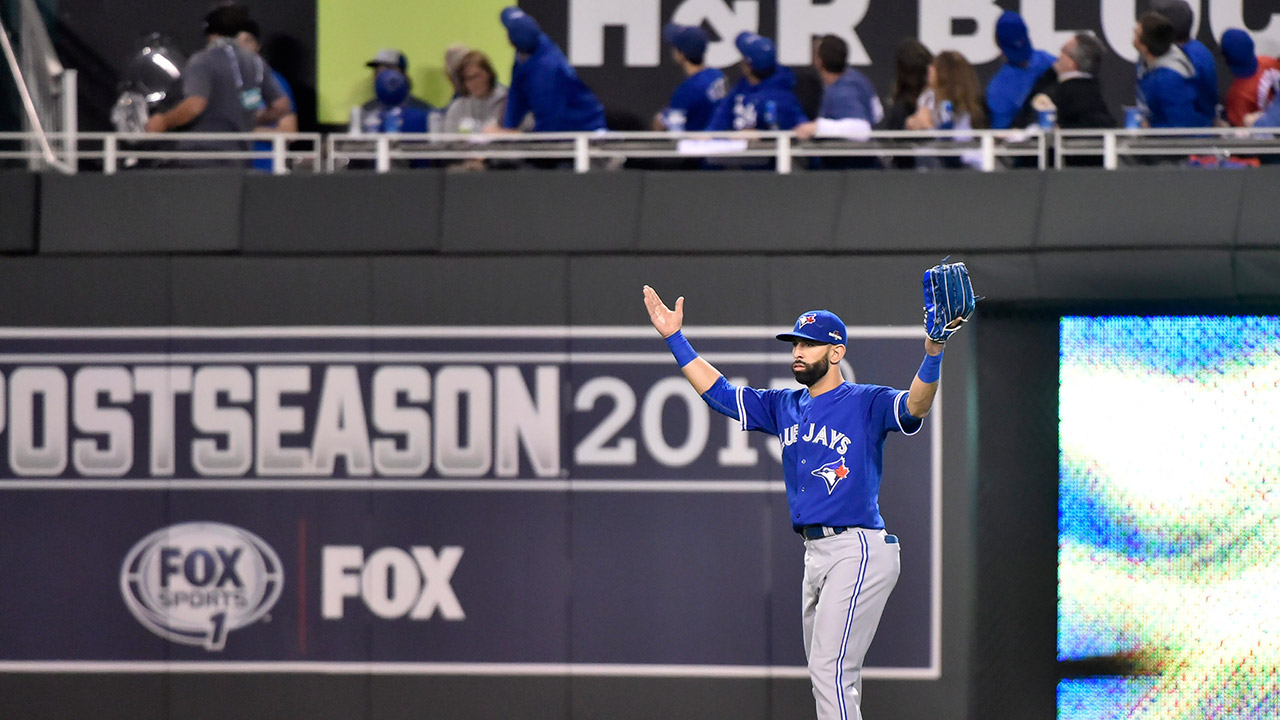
[(952, 101), (484, 99)]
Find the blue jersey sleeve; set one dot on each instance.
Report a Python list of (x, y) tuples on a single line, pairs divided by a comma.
[(753, 409), (889, 411), (517, 99), (790, 114)]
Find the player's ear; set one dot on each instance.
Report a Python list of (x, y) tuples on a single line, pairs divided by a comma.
[(836, 354)]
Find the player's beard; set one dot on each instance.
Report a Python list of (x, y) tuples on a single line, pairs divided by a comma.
[(812, 372)]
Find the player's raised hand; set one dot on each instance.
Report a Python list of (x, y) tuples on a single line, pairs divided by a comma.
[(665, 320)]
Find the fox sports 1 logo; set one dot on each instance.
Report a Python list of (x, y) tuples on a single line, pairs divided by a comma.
[(195, 582)]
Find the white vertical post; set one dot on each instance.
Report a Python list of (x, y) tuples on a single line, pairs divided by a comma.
[(1110, 157), (988, 152), (70, 122), (1057, 149), (331, 162), (383, 154), (784, 154), (581, 154), (278, 166), (109, 155)]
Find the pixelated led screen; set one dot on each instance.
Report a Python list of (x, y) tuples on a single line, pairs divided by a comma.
[(1169, 517)]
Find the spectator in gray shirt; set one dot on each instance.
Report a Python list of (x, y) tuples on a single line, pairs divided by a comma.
[(483, 100), (226, 88)]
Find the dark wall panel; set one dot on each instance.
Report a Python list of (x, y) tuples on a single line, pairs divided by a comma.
[(1136, 275), (1157, 207), (84, 291), (1259, 222), (942, 212), (350, 213), (1256, 272), (739, 211), (17, 211), (1006, 277), (540, 211), (717, 291), (1016, 491), (271, 291), (861, 290), (32, 696), (163, 211), (314, 697), (465, 291)]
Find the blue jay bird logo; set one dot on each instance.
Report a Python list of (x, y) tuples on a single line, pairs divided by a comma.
[(805, 320), (832, 473)]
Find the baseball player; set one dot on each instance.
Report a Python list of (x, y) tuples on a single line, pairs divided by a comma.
[(832, 435)]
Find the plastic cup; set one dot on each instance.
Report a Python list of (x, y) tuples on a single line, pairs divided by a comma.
[(1132, 117)]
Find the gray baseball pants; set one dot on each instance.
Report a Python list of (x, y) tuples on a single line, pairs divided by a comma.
[(847, 581)]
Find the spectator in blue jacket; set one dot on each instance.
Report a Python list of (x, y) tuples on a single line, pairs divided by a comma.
[(765, 98), (544, 83), (695, 99), (1026, 73), (1179, 14), (850, 106), (1166, 89)]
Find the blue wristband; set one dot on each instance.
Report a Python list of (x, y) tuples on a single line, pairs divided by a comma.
[(931, 368), (681, 348)]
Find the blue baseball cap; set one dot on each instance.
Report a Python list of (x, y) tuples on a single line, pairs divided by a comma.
[(1237, 50), (820, 326), (758, 51), (690, 40), (1012, 37)]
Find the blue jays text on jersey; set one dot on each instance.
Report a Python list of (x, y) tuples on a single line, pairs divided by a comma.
[(832, 444)]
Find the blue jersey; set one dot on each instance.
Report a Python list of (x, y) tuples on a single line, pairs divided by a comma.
[(1167, 92), (832, 444), (695, 100), (1206, 80), (546, 85), (770, 104), (1011, 85)]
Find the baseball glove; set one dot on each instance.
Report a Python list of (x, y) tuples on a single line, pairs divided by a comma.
[(948, 297)]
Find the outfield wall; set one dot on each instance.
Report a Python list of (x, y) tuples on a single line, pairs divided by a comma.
[(578, 600)]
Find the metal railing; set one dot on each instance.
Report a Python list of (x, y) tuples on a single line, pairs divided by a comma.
[(287, 152), (782, 152), (1112, 145), (584, 151), (46, 89)]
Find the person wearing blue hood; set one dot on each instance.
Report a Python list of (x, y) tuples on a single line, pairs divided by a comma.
[(1166, 90), (1179, 14), (695, 99), (544, 83), (765, 98), (1025, 73)]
